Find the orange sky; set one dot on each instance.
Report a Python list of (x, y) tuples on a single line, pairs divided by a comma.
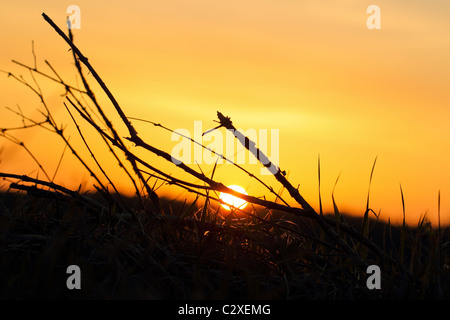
[(311, 69)]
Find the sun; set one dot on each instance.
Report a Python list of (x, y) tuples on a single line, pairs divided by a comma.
[(232, 200)]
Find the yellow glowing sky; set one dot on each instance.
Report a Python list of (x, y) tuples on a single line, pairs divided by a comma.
[(311, 69)]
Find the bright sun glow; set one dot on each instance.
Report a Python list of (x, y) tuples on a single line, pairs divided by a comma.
[(232, 200)]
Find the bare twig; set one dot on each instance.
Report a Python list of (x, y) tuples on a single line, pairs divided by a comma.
[(54, 186), (124, 205), (22, 145)]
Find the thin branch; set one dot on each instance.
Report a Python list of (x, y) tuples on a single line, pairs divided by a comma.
[(59, 80), (125, 206), (59, 163), (57, 187), (34, 54), (85, 61), (35, 123), (22, 145)]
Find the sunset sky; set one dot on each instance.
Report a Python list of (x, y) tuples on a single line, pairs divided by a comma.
[(311, 69)]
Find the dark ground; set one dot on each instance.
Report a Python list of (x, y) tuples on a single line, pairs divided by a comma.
[(166, 259)]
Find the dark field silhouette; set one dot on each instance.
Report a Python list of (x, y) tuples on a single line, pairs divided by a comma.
[(177, 256)]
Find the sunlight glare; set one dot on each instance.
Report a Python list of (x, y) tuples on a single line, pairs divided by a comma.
[(232, 200)]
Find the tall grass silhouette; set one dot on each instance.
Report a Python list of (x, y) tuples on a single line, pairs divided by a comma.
[(150, 247)]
